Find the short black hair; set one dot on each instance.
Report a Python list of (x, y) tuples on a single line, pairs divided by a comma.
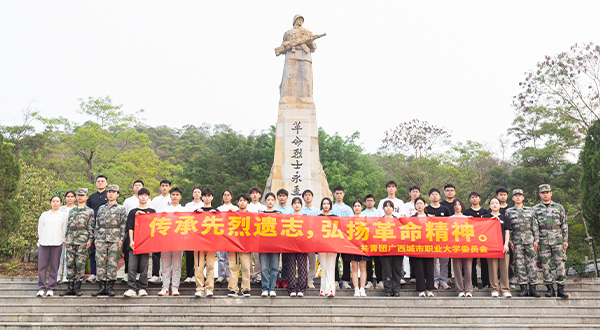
[(174, 189), (207, 192), (244, 196), (449, 185), (413, 187), (501, 189), (330, 203), (165, 181), (297, 199), (369, 196), (432, 190), (474, 193), (254, 189), (391, 182), (101, 176), (72, 192), (282, 192), (338, 188), (388, 202), (307, 191), (144, 191), (458, 201), (197, 188), (140, 181), (226, 190), (270, 194)]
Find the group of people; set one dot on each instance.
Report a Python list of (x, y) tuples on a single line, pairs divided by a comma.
[(97, 225)]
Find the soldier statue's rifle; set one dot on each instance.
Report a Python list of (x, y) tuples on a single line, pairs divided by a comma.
[(300, 42)]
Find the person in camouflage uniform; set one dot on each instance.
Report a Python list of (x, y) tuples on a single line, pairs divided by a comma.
[(554, 234), (524, 242), (110, 228), (79, 237)]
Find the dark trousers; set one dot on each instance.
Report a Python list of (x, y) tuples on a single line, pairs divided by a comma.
[(411, 263), (49, 254), (423, 273), (392, 273), (485, 278), (92, 251), (449, 267), (378, 268), (189, 264), (156, 264), (138, 261), (345, 269), (378, 271), (284, 267), (299, 260)]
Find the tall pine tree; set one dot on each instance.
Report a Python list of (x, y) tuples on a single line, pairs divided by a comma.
[(10, 173), (590, 179)]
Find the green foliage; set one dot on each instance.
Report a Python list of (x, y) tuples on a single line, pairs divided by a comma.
[(38, 185), (10, 173), (590, 180)]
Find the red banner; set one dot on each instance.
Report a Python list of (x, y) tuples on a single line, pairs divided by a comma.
[(455, 237)]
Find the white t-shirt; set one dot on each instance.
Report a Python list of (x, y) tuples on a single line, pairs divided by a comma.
[(258, 207), (409, 207), (52, 228), (66, 209), (160, 202), (131, 203), (230, 207), (399, 210), (178, 208), (191, 206)]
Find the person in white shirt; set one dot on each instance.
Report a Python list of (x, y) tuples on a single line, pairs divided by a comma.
[(255, 206), (308, 209), (171, 260), (62, 268), (223, 256), (415, 192), (192, 206), (130, 203), (371, 211), (52, 228), (340, 209), (159, 203), (391, 187)]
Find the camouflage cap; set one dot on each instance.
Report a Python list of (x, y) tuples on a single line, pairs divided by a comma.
[(544, 187), (112, 187), (518, 191), (82, 191)]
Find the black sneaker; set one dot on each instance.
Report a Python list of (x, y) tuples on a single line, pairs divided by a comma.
[(232, 294), (245, 294)]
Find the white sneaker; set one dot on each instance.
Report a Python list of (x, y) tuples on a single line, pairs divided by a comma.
[(445, 286), (92, 278), (469, 295), (40, 293), (369, 285), (430, 294), (362, 292), (49, 293), (187, 280), (300, 294), (402, 281), (209, 293), (129, 293), (461, 295), (413, 280), (264, 294), (337, 284), (142, 293), (356, 292), (346, 285), (193, 279), (273, 294), (124, 279), (199, 294), (164, 292), (154, 279), (495, 295), (175, 291), (293, 294), (311, 285), (422, 294), (436, 285), (380, 285), (506, 294), (64, 280), (220, 280)]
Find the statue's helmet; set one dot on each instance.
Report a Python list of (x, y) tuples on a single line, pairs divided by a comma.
[(296, 17)]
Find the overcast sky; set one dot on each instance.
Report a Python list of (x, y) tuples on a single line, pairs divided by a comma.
[(455, 64)]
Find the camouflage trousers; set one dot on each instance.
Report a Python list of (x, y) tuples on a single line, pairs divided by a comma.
[(556, 253), (525, 264), (76, 258), (107, 259)]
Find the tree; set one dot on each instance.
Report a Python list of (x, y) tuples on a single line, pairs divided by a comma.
[(590, 179), (563, 94), (10, 173)]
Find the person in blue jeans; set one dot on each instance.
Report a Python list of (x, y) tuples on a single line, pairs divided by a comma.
[(269, 262)]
